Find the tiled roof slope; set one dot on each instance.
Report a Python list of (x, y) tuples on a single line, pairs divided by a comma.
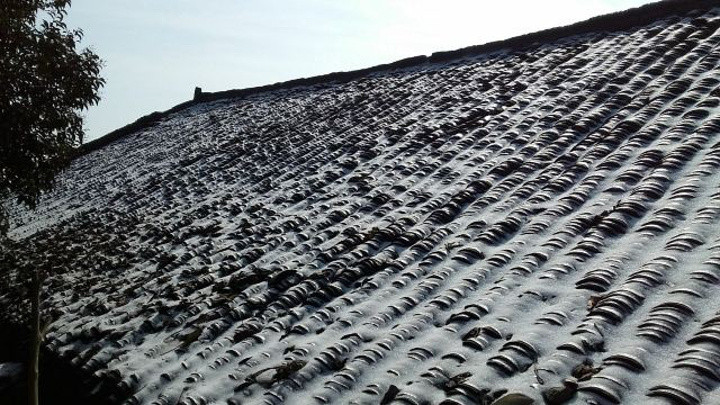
[(511, 225)]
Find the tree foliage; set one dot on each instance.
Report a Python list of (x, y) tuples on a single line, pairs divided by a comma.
[(45, 84)]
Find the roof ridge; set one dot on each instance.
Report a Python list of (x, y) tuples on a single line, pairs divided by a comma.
[(618, 21)]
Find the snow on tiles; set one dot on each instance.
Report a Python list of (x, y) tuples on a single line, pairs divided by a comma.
[(509, 228)]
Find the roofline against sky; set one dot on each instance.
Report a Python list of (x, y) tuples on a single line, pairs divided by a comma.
[(622, 20)]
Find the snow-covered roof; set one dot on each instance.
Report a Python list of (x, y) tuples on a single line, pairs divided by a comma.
[(534, 225)]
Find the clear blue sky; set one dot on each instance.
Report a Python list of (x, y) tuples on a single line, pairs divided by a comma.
[(156, 52)]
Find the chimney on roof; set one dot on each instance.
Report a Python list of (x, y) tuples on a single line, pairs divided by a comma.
[(198, 93)]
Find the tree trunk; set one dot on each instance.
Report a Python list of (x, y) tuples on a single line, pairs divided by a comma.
[(35, 340)]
